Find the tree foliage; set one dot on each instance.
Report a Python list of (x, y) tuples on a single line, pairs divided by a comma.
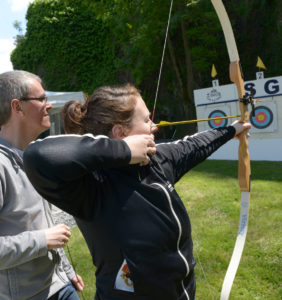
[(67, 46), (79, 45), (195, 42)]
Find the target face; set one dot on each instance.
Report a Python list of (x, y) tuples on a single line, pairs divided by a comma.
[(263, 117), (217, 123)]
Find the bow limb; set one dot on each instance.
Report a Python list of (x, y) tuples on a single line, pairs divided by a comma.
[(244, 169)]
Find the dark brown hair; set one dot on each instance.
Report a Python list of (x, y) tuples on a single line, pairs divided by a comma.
[(106, 107)]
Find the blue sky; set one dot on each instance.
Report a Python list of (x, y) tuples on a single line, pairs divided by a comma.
[(10, 11)]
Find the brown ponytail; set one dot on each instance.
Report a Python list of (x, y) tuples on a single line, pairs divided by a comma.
[(106, 107), (72, 115)]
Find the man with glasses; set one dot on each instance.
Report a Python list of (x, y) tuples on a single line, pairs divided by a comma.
[(33, 264)]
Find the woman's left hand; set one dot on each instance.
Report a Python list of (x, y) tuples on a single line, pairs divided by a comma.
[(241, 127)]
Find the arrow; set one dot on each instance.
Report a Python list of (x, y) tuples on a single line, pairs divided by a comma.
[(165, 123)]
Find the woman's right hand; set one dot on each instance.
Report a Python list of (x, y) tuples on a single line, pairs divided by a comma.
[(141, 147)]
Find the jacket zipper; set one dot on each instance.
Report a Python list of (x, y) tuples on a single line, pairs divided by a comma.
[(55, 253), (179, 235)]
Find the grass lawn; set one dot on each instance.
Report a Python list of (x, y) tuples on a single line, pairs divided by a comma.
[(211, 195)]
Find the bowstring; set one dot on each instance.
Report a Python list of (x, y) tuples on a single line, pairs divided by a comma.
[(204, 274), (162, 59), (153, 115), (81, 292)]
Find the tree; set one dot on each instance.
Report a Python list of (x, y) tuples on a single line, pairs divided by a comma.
[(139, 26), (67, 46), (19, 38), (84, 44)]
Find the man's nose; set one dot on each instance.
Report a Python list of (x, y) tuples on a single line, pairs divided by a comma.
[(49, 105)]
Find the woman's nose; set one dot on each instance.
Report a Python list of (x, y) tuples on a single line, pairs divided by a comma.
[(154, 128)]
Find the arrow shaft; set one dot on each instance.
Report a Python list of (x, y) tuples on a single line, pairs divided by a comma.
[(194, 121)]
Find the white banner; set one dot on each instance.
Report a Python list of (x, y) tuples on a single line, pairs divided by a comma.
[(265, 87)]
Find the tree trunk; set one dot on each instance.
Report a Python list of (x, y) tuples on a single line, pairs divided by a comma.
[(175, 65), (189, 75)]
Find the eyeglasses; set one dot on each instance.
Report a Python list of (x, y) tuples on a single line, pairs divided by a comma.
[(43, 99)]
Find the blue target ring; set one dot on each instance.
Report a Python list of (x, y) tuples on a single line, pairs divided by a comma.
[(217, 123), (263, 117)]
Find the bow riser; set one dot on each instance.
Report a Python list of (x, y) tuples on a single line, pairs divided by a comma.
[(244, 168)]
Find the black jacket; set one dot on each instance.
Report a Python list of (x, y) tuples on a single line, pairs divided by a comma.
[(135, 224)]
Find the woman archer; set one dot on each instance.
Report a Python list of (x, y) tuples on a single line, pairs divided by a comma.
[(134, 222)]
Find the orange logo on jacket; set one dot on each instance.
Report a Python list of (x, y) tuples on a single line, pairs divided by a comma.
[(123, 281), (125, 275)]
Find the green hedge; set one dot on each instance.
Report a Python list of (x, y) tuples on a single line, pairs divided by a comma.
[(67, 46)]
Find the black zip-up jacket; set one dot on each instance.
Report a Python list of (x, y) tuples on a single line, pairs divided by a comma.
[(135, 224)]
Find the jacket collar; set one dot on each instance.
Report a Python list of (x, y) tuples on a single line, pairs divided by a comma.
[(7, 145)]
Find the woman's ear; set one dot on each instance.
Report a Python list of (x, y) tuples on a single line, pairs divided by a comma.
[(118, 132)]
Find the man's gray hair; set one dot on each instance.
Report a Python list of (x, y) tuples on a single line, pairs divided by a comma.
[(13, 85)]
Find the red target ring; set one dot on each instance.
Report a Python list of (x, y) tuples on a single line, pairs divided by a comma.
[(217, 123), (263, 117)]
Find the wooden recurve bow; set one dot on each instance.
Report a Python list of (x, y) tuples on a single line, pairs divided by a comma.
[(244, 169)]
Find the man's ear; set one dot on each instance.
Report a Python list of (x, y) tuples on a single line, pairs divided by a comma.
[(16, 106), (118, 131)]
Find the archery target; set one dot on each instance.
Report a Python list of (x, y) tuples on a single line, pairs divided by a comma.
[(217, 123), (263, 117)]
